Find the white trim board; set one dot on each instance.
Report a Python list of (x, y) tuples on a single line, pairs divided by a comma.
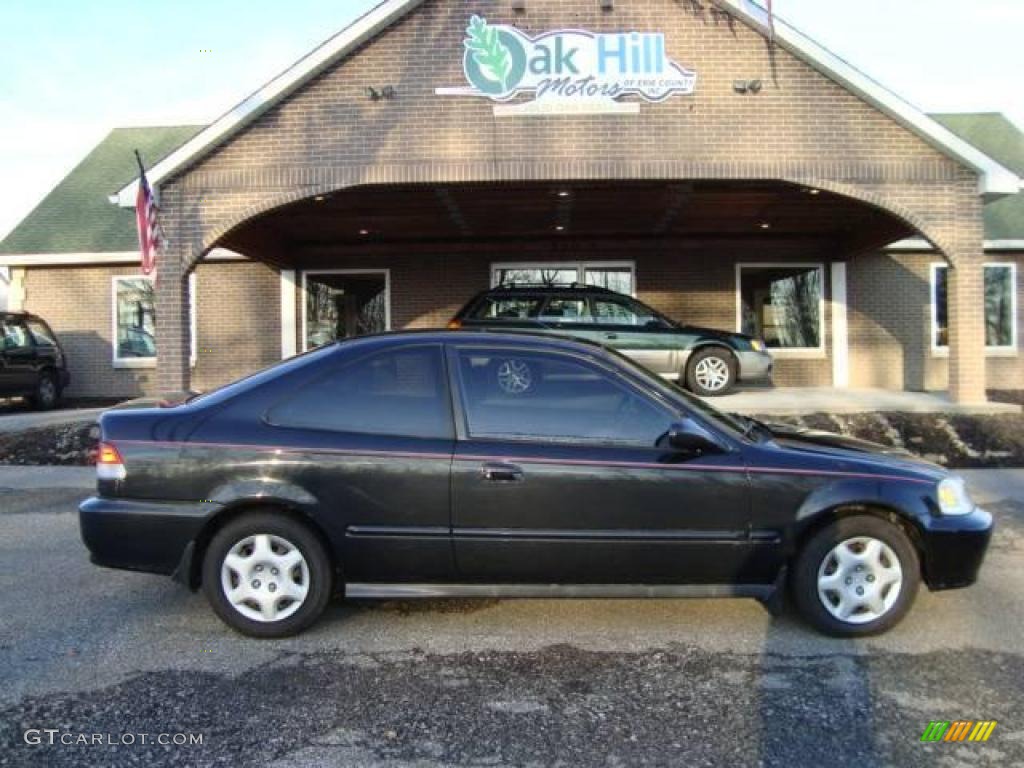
[(920, 245), (994, 179), (90, 259), (840, 328), (289, 330)]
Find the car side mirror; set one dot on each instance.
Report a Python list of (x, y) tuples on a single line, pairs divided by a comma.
[(687, 436)]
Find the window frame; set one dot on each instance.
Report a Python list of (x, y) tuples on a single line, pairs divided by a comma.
[(1010, 350), (461, 412), (581, 268), (305, 296), (793, 353), (334, 370), (133, 363)]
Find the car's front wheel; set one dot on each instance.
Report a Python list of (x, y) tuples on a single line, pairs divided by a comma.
[(711, 372), (856, 577), (267, 575)]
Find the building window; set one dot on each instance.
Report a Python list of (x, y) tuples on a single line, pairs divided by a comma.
[(619, 276), (1000, 307), (134, 316), (782, 304), (342, 304)]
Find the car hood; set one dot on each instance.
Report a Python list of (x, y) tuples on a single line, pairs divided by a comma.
[(852, 448)]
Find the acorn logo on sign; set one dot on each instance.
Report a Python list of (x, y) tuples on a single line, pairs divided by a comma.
[(501, 63)]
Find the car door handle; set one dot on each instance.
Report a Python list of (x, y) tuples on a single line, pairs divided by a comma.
[(501, 473), (611, 335)]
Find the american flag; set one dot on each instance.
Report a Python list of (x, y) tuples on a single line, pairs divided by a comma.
[(147, 218)]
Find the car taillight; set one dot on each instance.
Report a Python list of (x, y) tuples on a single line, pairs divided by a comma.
[(109, 464), (455, 325)]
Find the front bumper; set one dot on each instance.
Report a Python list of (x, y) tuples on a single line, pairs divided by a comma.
[(755, 366), (145, 536), (954, 548)]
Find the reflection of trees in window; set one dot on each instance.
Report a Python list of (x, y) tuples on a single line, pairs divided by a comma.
[(536, 276), (998, 306), (798, 298), (340, 306), (782, 305), (999, 318)]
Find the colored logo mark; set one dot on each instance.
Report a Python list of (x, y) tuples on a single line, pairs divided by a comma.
[(958, 730)]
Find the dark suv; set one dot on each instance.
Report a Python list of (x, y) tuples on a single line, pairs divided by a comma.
[(32, 363), (707, 361)]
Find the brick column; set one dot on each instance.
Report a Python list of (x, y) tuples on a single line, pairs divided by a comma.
[(173, 336), (966, 292)]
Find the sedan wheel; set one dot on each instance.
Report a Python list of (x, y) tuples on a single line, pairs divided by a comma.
[(267, 575), (859, 580), (265, 578), (857, 576)]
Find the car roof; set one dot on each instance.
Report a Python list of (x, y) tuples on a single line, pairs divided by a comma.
[(525, 338), (540, 288)]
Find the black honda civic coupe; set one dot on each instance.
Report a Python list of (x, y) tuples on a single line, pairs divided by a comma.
[(485, 464)]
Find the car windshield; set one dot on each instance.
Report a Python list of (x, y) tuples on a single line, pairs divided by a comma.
[(691, 402)]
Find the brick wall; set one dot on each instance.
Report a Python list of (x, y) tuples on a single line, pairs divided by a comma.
[(693, 283), (803, 127), (238, 324), (890, 325)]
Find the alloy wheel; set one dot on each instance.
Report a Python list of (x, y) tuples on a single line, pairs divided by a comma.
[(859, 580), (712, 373), (265, 578)]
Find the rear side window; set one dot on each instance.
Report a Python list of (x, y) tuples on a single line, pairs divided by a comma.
[(507, 308), (614, 311), (566, 310), (399, 392), (41, 333)]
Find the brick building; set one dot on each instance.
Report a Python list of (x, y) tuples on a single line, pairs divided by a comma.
[(667, 148)]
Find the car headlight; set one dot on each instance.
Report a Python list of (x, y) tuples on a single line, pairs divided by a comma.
[(757, 345), (953, 498)]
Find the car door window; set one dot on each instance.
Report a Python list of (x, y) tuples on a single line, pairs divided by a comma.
[(511, 395), (612, 311), (401, 392), (508, 308), (41, 333), (15, 336), (559, 310)]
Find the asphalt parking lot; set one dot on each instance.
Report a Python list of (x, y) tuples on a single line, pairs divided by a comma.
[(489, 683)]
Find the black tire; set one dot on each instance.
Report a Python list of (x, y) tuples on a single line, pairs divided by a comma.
[(806, 571), (318, 563), (721, 359), (47, 392)]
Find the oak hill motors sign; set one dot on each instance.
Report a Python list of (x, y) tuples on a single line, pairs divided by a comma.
[(502, 63)]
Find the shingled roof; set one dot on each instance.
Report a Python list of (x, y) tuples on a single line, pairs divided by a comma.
[(1003, 141), (77, 217)]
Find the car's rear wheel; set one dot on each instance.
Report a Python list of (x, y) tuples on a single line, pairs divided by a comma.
[(856, 577), (47, 392), (267, 575), (711, 372)]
